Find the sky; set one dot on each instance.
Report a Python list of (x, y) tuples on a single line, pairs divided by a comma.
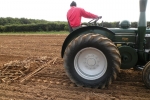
[(55, 10)]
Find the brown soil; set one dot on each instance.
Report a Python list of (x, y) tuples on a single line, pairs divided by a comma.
[(52, 83)]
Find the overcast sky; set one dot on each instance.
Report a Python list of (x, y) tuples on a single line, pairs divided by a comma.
[(55, 10)]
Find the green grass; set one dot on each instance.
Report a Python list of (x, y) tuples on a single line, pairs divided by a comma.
[(36, 33)]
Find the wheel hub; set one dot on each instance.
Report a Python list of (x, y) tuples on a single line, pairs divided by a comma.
[(90, 63)]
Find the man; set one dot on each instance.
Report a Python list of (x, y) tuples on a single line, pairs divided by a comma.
[(74, 15)]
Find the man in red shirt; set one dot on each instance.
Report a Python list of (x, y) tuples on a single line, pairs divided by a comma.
[(74, 15)]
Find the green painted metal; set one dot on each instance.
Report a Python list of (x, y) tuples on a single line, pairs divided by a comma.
[(129, 57), (124, 35), (125, 24), (142, 30)]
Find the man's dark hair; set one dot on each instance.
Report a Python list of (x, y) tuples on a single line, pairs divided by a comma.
[(73, 3)]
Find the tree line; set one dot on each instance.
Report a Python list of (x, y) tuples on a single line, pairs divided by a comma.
[(33, 25), (20, 21)]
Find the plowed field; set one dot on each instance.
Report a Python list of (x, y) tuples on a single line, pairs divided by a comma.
[(51, 83)]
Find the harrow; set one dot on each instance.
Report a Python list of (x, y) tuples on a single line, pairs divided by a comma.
[(21, 71)]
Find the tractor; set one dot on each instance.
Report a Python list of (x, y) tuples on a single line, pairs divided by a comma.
[(93, 55)]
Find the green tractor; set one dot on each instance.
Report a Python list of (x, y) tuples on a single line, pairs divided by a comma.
[(93, 55)]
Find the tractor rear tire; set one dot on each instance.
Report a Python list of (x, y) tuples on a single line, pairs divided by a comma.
[(92, 60), (146, 75)]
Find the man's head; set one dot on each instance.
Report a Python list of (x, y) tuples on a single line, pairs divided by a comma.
[(73, 4)]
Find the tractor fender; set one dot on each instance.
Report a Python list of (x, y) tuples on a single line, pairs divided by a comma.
[(85, 30)]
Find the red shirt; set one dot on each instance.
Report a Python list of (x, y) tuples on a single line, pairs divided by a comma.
[(74, 15)]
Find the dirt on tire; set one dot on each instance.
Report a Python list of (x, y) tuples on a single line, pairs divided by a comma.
[(52, 83)]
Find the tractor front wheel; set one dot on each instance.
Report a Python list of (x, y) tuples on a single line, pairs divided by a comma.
[(146, 75)]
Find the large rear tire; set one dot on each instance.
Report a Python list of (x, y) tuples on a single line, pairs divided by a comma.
[(146, 75), (92, 60)]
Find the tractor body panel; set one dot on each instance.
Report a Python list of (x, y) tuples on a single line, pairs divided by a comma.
[(124, 35)]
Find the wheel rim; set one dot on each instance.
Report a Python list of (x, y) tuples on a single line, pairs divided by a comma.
[(90, 63)]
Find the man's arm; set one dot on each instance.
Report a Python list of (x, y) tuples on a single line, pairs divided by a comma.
[(87, 14)]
